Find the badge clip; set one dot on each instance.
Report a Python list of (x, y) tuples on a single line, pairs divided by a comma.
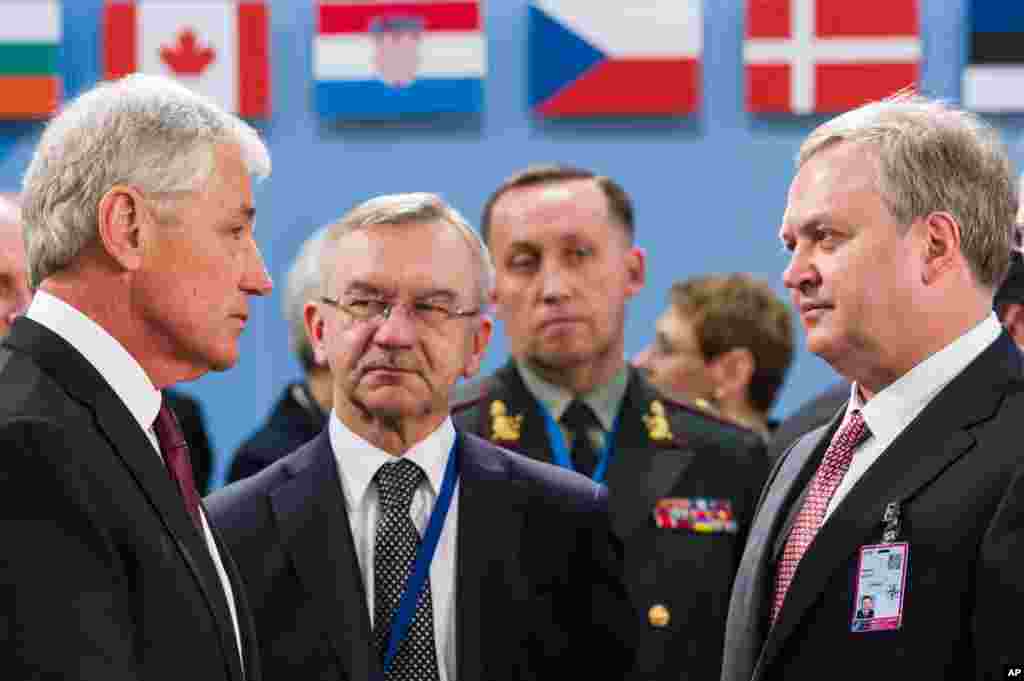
[(891, 520)]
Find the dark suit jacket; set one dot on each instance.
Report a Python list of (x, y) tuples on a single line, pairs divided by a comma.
[(289, 426), (538, 590), (102, 573), (688, 574), (193, 426), (958, 472), (812, 414)]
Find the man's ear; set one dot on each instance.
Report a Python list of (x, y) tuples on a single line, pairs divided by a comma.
[(636, 269), (942, 245), (315, 332), (119, 221), (481, 339), (1012, 317)]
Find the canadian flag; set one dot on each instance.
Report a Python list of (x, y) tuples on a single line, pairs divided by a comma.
[(810, 56), (217, 48)]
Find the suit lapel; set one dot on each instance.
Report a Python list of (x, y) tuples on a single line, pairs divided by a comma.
[(315, 531), (937, 437), (640, 471), (491, 518), (65, 365), (247, 629), (744, 636)]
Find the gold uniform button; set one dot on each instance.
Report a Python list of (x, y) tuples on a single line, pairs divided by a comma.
[(658, 616)]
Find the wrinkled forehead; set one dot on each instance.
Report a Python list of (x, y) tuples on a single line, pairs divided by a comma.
[(406, 259)]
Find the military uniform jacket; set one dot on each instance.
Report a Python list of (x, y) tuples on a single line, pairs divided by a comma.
[(679, 578)]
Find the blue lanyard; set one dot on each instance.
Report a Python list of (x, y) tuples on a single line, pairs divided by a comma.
[(561, 455), (407, 605)]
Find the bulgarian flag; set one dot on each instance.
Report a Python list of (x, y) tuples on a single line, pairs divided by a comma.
[(30, 35), (217, 48)]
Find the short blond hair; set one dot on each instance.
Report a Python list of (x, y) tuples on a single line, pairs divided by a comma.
[(934, 157)]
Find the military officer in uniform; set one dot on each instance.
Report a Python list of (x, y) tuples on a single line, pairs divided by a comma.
[(682, 483)]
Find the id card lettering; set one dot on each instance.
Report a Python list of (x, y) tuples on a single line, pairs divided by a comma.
[(881, 587)]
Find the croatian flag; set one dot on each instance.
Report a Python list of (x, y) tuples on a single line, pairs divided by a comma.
[(816, 56), (384, 60), (614, 58), (218, 48)]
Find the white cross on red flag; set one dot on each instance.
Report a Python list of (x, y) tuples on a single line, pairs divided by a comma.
[(826, 56)]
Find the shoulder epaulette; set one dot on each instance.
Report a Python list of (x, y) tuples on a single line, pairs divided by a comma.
[(721, 426)]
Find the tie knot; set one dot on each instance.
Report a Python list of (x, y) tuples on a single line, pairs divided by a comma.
[(396, 482), (854, 431), (167, 430), (578, 417)]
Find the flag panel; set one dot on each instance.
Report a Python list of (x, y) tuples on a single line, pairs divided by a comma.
[(30, 59), (836, 54), (993, 78), (217, 48), (388, 60), (631, 58)]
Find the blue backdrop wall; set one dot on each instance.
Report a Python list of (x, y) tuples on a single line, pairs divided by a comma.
[(709, 191)]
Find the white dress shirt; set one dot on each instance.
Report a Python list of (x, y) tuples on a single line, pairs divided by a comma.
[(889, 412), (130, 383), (358, 462)]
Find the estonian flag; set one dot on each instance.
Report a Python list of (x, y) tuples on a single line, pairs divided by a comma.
[(994, 77)]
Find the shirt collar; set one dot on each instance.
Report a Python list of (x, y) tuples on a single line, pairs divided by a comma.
[(605, 400), (115, 364), (358, 460), (894, 407)]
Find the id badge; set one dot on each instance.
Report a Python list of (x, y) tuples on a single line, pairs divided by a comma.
[(881, 586)]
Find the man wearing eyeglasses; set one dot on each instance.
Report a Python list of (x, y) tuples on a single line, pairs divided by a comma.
[(393, 546)]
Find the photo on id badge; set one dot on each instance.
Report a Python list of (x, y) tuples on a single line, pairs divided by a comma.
[(881, 582)]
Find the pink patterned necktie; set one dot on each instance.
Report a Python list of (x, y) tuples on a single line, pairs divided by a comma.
[(176, 457), (823, 485)]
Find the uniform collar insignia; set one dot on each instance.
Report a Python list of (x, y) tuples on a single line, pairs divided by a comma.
[(657, 422), (504, 428)]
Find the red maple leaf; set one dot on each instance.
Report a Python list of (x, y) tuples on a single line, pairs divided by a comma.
[(187, 58)]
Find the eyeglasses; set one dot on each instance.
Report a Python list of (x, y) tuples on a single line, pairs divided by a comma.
[(367, 310)]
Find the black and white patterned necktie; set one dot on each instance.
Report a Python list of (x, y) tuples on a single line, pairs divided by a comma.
[(394, 551)]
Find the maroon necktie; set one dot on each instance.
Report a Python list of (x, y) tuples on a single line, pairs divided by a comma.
[(823, 485), (176, 457)]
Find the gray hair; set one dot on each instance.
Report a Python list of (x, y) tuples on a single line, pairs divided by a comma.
[(933, 157), (303, 285), (417, 208), (144, 131)]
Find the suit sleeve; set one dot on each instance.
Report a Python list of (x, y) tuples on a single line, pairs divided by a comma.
[(999, 601), (614, 635), (60, 576)]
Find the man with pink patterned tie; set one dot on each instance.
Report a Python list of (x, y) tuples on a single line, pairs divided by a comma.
[(899, 226)]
